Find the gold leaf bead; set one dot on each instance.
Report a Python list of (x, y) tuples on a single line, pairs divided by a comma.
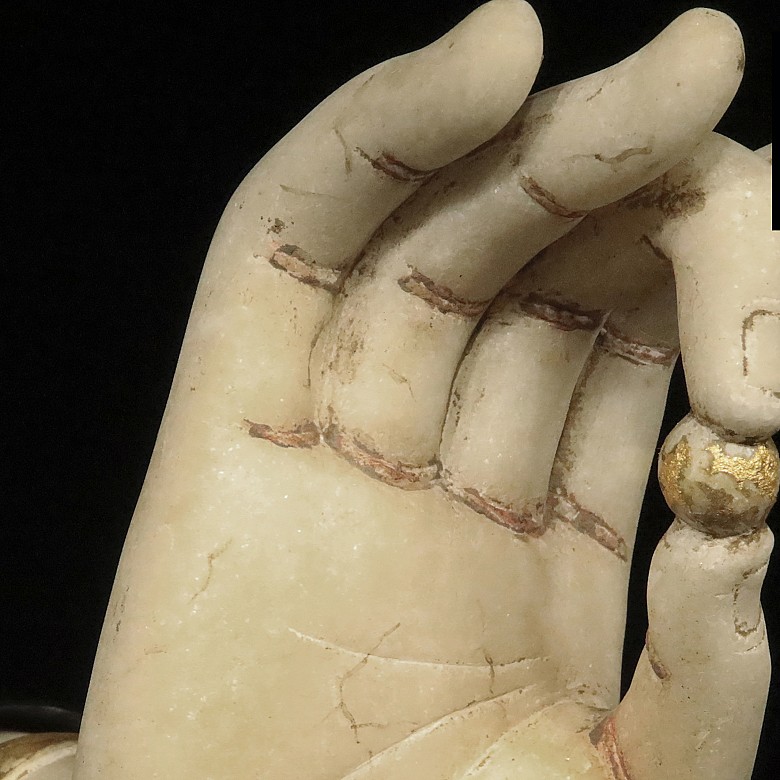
[(718, 487)]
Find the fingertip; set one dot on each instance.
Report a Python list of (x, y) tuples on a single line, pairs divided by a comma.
[(491, 58), (709, 45), (480, 74), (711, 37), (641, 116), (437, 104)]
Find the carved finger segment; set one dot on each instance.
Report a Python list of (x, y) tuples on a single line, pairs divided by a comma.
[(508, 405), (608, 261), (598, 483), (382, 368), (700, 686), (730, 334)]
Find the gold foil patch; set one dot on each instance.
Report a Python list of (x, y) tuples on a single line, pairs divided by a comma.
[(760, 469), (672, 469)]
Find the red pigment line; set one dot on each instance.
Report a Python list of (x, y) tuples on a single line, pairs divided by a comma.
[(604, 737), (616, 343), (565, 316), (659, 668), (372, 463), (565, 507), (292, 260), (304, 436), (440, 297), (520, 522), (391, 166)]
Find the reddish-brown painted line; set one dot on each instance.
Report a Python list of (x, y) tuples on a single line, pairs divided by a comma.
[(391, 166), (604, 738), (293, 261), (564, 316), (305, 435), (440, 297), (374, 464), (528, 523), (547, 200), (747, 325), (616, 343), (624, 155), (658, 667), (564, 507)]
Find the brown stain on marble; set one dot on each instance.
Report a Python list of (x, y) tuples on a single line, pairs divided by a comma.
[(529, 522), (673, 199), (726, 433), (342, 705), (748, 325), (595, 94), (210, 559), (347, 154), (742, 627), (656, 250), (527, 127), (660, 670)]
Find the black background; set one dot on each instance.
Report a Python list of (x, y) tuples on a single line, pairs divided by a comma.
[(125, 129)]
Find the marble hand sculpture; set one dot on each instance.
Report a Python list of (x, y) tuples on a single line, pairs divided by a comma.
[(387, 528)]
